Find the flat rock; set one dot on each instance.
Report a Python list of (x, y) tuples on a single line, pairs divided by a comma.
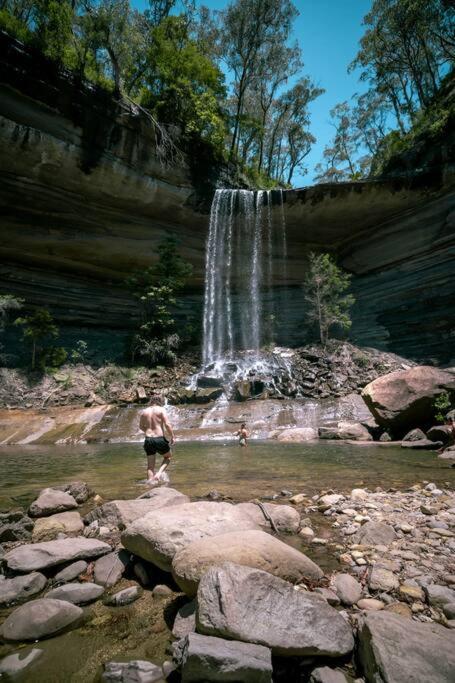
[(137, 671), (383, 580), (51, 501), (71, 572), (350, 431), (185, 620), (375, 533), (250, 548), (251, 605), (27, 558), (16, 664), (110, 568), (401, 650), (438, 596), (324, 674), (404, 399), (157, 537), (21, 587), (347, 588), (205, 658), (120, 513), (48, 528), (124, 597), (297, 435), (77, 593), (40, 618), (423, 445), (285, 517)]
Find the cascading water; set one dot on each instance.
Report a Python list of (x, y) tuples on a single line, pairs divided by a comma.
[(245, 239)]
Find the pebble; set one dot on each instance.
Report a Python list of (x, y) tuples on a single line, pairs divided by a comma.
[(370, 604), (306, 532), (411, 592), (319, 541)]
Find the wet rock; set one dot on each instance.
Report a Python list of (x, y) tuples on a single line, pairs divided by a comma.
[(120, 513), (137, 671), (347, 588), (206, 381), (423, 445), (438, 596), (415, 435), (15, 526), (71, 572), (297, 435), (21, 587), (285, 517), (77, 593), (185, 620), (401, 650), (40, 618), (124, 597), (28, 558), (404, 399), (48, 528), (449, 610), (352, 431), (157, 537), (251, 548), (325, 674), (441, 433), (206, 395), (375, 533), (16, 664), (141, 573), (51, 501), (110, 568), (385, 437), (382, 580), (205, 658), (80, 490), (370, 604), (253, 606)]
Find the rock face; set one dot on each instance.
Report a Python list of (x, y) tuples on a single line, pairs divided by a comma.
[(51, 501), (39, 618), (28, 558), (21, 587), (120, 513), (254, 549), (251, 605), (214, 659), (157, 537), (404, 399), (48, 528), (401, 650)]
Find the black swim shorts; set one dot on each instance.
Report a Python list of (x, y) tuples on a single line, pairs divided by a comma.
[(156, 444)]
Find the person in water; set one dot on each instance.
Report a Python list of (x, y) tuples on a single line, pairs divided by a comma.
[(243, 435), (154, 422)]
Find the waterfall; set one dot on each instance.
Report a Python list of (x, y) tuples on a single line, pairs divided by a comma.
[(243, 240)]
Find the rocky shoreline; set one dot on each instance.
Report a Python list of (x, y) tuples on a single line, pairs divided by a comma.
[(255, 605)]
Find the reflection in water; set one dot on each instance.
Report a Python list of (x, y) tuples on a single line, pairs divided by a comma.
[(115, 470)]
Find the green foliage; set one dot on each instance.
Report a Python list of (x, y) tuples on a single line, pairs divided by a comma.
[(15, 27), (52, 358), (36, 328), (79, 353), (441, 406), (325, 286), (155, 289), (53, 20)]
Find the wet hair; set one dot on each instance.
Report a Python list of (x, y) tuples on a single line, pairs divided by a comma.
[(243, 425), (156, 400)]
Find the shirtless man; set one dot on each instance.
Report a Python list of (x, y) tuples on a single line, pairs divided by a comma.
[(154, 423), (242, 434)]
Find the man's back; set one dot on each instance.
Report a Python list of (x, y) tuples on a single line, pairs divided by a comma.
[(151, 421)]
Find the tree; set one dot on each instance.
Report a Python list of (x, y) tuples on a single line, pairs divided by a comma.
[(325, 286), (155, 289), (8, 303), (53, 20), (37, 327)]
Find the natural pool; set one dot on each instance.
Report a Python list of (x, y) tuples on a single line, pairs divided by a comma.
[(264, 468)]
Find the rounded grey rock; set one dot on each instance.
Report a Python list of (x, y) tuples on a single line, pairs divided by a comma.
[(77, 593), (40, 618)]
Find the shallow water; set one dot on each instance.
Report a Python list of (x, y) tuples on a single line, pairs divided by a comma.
[(264, 468)]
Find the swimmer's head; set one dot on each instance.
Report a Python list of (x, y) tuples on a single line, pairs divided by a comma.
[(243, 425), (156, 400)]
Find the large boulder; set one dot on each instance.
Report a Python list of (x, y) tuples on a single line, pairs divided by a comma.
[(48, 528), (404, 399), (120, 513), (249, 548), (399, 650), (21, 587), (285, 517), (28, 558), (251, 605), (352, 431), (77, 593), (164, 496), (40, 618), (51, 501), (214, 659), (297, 435), (157, 537)]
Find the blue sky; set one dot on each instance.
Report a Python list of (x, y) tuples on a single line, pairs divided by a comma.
[(328, 32)]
